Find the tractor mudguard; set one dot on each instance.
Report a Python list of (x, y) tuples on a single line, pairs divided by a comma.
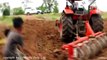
[(68, 10), (92, 12)]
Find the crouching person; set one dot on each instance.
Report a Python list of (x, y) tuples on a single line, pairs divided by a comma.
[(14, 42)]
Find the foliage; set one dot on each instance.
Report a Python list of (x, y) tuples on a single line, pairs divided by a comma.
[(50, 5), (0, 6), (18, 11), (6, 9), (6, 12), (55, 9), (42, 8)]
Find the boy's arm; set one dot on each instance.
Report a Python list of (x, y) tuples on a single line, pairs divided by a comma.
[(21, 50)]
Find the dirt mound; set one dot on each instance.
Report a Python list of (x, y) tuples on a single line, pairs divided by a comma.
[(41, 38)]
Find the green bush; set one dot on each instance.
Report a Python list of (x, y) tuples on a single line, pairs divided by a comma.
[(42, 8), (18, 11), (6, 12)]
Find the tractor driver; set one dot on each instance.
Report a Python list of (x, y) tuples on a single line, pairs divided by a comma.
[(73, 4)]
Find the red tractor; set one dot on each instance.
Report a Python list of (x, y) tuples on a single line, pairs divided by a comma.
[(82, 30), (73, 20)]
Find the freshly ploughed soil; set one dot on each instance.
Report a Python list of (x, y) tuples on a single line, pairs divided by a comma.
[(41, 40)]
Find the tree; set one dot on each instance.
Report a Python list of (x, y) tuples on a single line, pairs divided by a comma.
[(50, 5), (6, 12), (0, 6), (55, 9), (43, 8), (6, 9)]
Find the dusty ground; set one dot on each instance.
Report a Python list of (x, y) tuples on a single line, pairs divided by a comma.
[(41, 39)]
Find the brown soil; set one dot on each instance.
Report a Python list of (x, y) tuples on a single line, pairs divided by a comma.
[(41, 40), (41, 37)]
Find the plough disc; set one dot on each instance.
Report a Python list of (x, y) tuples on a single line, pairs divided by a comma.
[(98, 44), (91, 47), (80, 53), (88, 48), (102, 41), (105, 40)]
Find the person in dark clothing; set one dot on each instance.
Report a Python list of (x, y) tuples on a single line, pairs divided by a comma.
[(14, 40), (6, 32)]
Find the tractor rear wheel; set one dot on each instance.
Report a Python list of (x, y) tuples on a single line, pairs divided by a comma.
[(96, 23), (67, 28)]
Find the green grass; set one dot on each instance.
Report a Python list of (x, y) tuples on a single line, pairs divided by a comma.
[(8, 19), (104, 15), (51, 16)]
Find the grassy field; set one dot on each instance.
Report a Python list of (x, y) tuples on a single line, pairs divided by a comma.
[(52, 16), (104, 15), (8, 19)]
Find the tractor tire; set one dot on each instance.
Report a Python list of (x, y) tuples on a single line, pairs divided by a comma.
[(96, 23), (67, 29)]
